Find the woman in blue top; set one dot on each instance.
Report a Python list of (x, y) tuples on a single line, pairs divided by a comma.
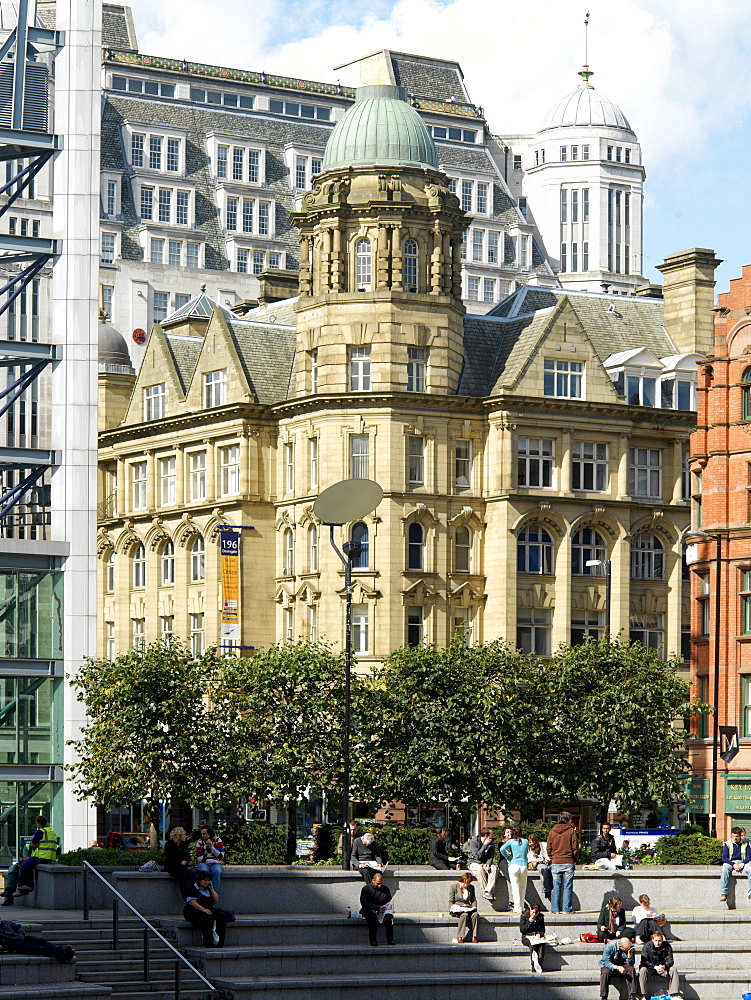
[(515, 852)]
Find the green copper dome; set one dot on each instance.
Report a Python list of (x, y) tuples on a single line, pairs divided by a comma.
[(382, 129)]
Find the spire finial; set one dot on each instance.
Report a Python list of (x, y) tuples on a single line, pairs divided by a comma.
[(203, 288), (586, 72)]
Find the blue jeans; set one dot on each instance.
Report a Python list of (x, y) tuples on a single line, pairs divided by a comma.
[(214, 870), (26, 871), (563, 886), (727, 871)]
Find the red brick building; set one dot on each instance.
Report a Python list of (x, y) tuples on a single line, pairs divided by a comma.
[(721, 492)]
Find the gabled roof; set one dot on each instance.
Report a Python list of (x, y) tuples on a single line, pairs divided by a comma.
[(637, 356), (266, 352), (184, 352)]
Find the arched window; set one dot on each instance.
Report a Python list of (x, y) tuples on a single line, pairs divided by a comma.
[(534, 551), (746, 390), (313, 548), (415, 546), (168, 564), (647, 558), (462, 549), (139, 566), (109, 574), (360, 534), (197, 559), (409, 264), (587, 545), (289, 553), (363, 266)]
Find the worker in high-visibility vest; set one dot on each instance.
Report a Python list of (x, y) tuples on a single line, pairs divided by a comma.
[(43, 849)]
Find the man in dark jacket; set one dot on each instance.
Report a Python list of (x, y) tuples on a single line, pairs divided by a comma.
[(604, 851), (617, 959), (374, 900), (482, 862), (563, 848), (657, 960), (14, 941)]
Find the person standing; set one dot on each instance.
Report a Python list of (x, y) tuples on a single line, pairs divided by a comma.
[(538, 860), (43, 849), (354, 833), (657, 960), (376, 907), (532, 926), (210, 855), (736, 857), (463, 905), (618, 960), (200, 910), (515, 851), (604, 851), (563, 848), (482, 862)]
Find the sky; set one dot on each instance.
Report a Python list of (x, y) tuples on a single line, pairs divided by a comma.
[(680, 70)]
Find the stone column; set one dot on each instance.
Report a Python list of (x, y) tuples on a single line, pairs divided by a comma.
[(337, 268), (674, 576), (677, 471), (620, 586), (622, 490), (244, 464), (305, 282), (324, 270), (397, 263), (180, 476), (211, 472), (566, 448), (446, 265), (121, 486), (456, 267), (382, 257), (563, 602), (435, 267), (150, 481)]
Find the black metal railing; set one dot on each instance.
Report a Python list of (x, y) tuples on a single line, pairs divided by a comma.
[(148, 929)]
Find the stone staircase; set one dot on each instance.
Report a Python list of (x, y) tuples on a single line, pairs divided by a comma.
[(323, 957), (121, 971)]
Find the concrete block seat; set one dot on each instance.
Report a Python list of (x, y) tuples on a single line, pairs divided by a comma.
[(420, 889)]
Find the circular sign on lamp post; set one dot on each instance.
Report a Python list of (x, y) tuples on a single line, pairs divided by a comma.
[(347, 500)]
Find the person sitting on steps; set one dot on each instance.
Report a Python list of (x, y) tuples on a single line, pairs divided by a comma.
[(14, 941), (375, 906), (736, 857), (618, 960), (657, 960), (43, 850)]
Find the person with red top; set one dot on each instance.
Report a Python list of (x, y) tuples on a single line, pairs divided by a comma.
[(210, 855), (563, 848)]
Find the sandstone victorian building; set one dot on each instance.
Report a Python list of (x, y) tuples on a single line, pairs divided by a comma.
[(522, 454)]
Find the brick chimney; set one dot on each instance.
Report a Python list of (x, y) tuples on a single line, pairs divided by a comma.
[(688, 294)]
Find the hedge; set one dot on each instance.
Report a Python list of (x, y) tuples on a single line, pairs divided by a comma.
[(109, 857), (251, 843), (693, 849)]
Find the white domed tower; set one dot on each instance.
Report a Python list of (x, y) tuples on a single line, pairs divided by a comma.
[(585, 181)]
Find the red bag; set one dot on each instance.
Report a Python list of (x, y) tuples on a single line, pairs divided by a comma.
[(588, 938)]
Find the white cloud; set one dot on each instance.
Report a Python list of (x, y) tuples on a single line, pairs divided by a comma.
[(678, 70)]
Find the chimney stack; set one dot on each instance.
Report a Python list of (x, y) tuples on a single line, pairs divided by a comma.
[(688, 294)]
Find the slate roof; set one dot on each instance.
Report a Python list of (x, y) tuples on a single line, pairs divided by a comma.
[(497, 346), (427, 78), (185, 352), (116, 29), (267, 354)]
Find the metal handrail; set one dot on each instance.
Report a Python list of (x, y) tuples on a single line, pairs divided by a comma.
[(118, 898)]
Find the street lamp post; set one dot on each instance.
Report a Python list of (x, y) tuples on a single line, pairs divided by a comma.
[(340, 504), (606, 563), (698, 537)]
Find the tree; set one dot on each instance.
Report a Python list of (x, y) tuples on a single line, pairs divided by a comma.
[(150, 730), (283, 714), (451, 724), (613, 707)]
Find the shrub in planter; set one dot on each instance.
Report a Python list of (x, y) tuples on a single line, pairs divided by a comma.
[(109, 857), (693, 849), (251, 843)]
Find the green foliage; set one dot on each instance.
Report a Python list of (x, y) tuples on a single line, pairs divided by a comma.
[(541, 827), (252, 843), (690, 828), (108, 856), (405, 845), (693, 849), (282, 711), (150, 730)]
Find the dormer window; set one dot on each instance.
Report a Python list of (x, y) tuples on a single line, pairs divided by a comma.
[(640, 390)]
